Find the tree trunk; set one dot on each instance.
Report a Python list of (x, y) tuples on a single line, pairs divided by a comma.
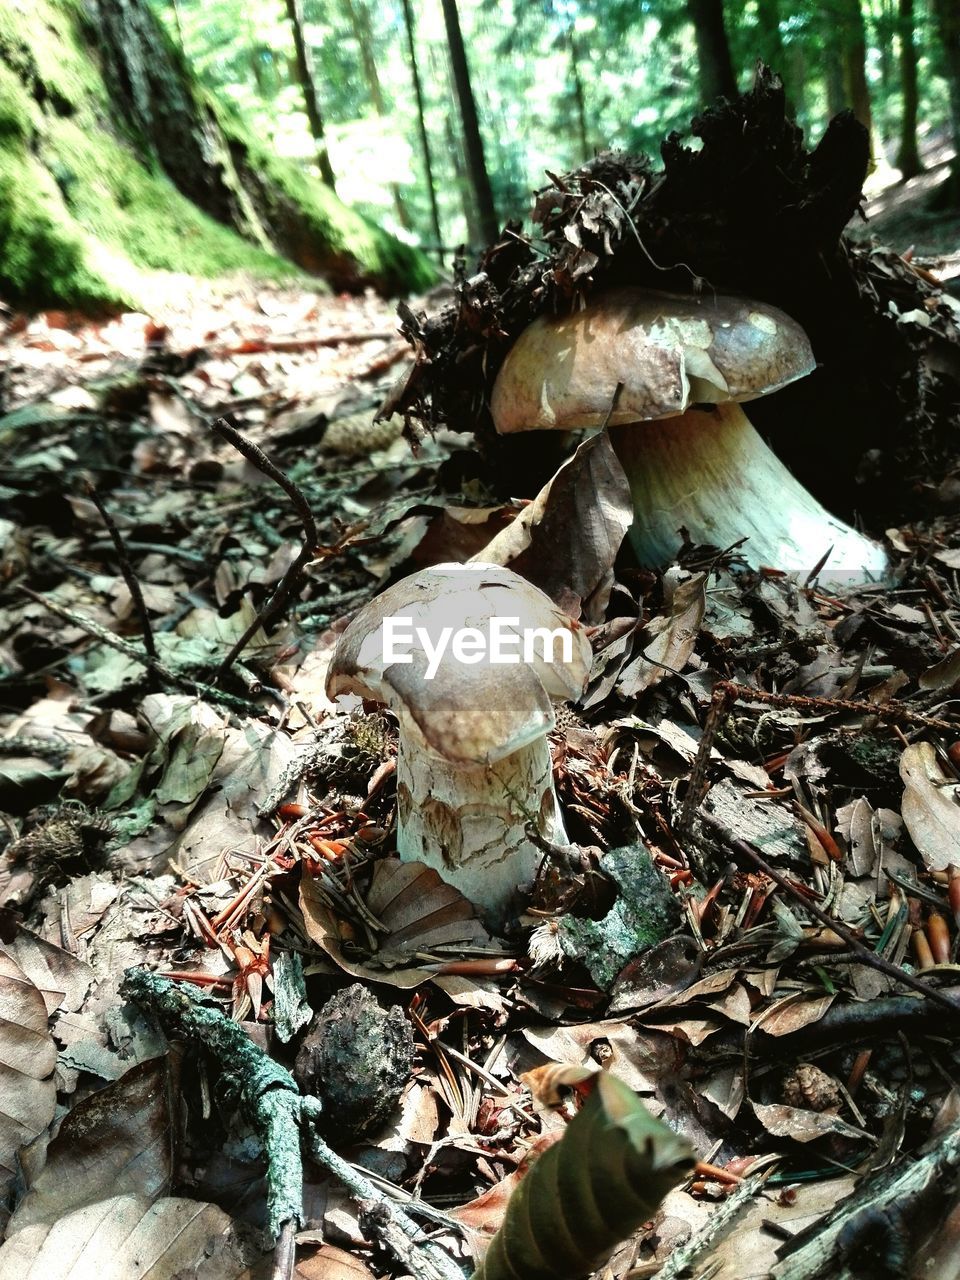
[(853, 43), (947, 14), (908, 155), (833, 75), (308, 87), (422, 128), (579, 97), (768, 35), (360, 21), (476, 163), (713, 50), (113, 163)]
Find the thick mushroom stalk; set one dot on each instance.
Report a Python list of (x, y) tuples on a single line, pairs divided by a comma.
[(708, 472), (711, 472), (473, 766)]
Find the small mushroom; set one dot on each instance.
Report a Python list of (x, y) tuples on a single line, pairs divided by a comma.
[(473, 766), (706, 469)]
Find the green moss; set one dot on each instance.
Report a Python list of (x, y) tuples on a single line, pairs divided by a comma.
[(142, 215), (84, 215), (377, 253), (17, 108), (44, 256)]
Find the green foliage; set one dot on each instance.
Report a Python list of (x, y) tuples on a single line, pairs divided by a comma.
[(589, 1191), (555, 80)]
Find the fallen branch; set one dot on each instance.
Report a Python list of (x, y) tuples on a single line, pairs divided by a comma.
[(282, 1118), (291, 579)]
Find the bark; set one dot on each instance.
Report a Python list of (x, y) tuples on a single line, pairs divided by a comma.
[(476, 162), (308, 87), (360, 21), (422, 128), (908, 155), (717, 79), (833, 76), (947, 14)]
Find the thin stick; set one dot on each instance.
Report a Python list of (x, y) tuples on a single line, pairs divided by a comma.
[(888, 711), (126, 569), (291, 579), (746, 850)]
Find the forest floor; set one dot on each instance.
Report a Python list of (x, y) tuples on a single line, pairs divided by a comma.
[(216, 817)]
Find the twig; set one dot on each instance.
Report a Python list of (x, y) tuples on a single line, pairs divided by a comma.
[(126, 569), (194, 687), (745, 850), (892, 710), (267, 1093), (290, 580), (400, 1233), (716, 1226)]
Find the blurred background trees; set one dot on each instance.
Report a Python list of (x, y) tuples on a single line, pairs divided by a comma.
[(439, 117)]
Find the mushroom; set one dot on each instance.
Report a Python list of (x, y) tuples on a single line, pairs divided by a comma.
[(473, 766), (706, 469)]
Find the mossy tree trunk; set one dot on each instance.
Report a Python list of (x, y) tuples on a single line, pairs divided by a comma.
[(113, 163)]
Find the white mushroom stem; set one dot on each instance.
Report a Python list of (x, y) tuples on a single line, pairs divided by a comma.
[(468, 821), (711, 472)]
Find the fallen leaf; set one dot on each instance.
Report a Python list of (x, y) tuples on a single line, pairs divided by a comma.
[(930, 809), (420, 913), (566, 540), (669, 640), (28, 1056), (115, 1239)]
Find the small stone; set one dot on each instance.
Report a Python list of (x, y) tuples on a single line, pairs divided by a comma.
[(356, 1058)]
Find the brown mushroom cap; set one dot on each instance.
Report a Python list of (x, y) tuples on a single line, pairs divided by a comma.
[(670, 351), (467, 713)]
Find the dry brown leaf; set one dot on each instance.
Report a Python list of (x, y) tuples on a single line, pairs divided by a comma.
[(791, 1014), (61, 977), (28, 1056), (943, 676), (331, 1263), (419, 911), (566, 540), (113, 1142), (800, 1125), (115, 1239), (930, 809), (669, 639)]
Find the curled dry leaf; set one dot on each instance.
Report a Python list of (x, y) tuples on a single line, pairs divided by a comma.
[(566, 540), (669, 640), (931, 811), (419, 913), (28, 1056), (800, 1125)]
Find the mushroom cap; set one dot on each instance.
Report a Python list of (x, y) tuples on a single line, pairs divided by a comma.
[(470, 713), (670, 351)]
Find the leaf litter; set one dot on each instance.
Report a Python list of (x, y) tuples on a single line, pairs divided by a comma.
[(227, 824)]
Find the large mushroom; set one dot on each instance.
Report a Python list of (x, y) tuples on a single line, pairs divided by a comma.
[(473, 766), (705, 469)]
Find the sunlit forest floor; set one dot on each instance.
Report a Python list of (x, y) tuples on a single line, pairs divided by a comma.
[(898, 213), (182, 769)]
